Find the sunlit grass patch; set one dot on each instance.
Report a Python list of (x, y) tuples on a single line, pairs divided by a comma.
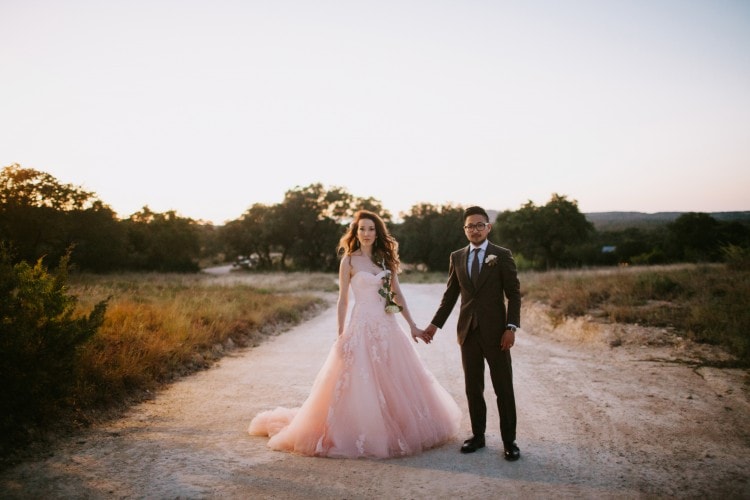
[(161, 326)]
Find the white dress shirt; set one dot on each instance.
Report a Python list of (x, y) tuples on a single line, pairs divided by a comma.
[(482, 252)]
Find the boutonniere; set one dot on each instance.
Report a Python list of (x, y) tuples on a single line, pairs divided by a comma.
[(491, 260), (388, 294)]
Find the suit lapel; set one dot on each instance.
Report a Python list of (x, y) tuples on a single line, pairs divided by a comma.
[(463, 264), (485, 271)]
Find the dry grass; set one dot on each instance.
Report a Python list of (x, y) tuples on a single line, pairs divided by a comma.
[(281, 282), (159, 326), (705, 303)]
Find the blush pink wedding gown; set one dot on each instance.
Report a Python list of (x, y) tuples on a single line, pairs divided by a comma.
[(373, 397)]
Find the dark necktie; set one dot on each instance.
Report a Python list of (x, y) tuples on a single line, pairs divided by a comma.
[(475, 267)]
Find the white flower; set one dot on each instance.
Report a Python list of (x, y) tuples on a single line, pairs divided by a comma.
[(490, 260), (389, 295)]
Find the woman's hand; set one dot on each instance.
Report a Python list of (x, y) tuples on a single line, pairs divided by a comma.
[(416, 333)]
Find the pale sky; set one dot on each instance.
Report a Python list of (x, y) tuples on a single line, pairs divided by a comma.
[(206, 107)]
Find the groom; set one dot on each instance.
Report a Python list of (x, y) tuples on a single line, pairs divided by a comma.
[(484, 275)]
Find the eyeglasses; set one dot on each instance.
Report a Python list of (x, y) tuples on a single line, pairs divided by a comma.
[(479, 226)]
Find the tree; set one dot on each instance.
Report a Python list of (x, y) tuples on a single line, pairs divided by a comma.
[(629, 245), (519, 231), (162, 241), (42, 217), (252, 234), (554, 235), (26, 187), (694, 236), (304, 229), (97, 238), (429, 233), (310, 217)]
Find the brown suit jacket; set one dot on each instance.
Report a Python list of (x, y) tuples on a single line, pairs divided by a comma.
[(498, 280)]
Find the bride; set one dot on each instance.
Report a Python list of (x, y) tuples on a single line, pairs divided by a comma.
[(373, 397)]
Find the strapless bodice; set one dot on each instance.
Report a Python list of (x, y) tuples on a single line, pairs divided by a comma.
[(365, 286)]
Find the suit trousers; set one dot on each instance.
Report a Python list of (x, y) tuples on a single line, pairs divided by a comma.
[(474, 351)]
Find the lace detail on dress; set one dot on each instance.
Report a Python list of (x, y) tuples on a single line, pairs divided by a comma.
[(361, 444), (373, 396)]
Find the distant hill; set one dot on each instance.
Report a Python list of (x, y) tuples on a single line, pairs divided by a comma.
[(616, 221)]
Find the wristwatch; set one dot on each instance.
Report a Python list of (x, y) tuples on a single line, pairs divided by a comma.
[(512, 328)]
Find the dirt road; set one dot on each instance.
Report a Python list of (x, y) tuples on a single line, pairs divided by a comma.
[(594, 422)]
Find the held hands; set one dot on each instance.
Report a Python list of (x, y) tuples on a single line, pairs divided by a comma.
[(506, 342), (428, 333), (416, 333)]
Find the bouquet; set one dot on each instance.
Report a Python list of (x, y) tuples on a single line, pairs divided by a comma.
[(388, 294)]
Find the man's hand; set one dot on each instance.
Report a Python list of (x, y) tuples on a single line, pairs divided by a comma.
[(428, 333), (508, 339)]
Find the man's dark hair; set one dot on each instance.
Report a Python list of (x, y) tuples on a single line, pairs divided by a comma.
[(476, 211)]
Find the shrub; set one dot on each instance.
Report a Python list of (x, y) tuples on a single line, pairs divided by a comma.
[(736, 257), (40, 338)]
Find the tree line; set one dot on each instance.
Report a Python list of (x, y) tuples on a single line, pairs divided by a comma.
[(45, 223), (41, 217)]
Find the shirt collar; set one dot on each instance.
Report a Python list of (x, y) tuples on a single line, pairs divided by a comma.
[(483, 246)]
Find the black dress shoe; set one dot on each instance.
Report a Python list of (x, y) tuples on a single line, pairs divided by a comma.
[(512, 453), (472, 444)]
